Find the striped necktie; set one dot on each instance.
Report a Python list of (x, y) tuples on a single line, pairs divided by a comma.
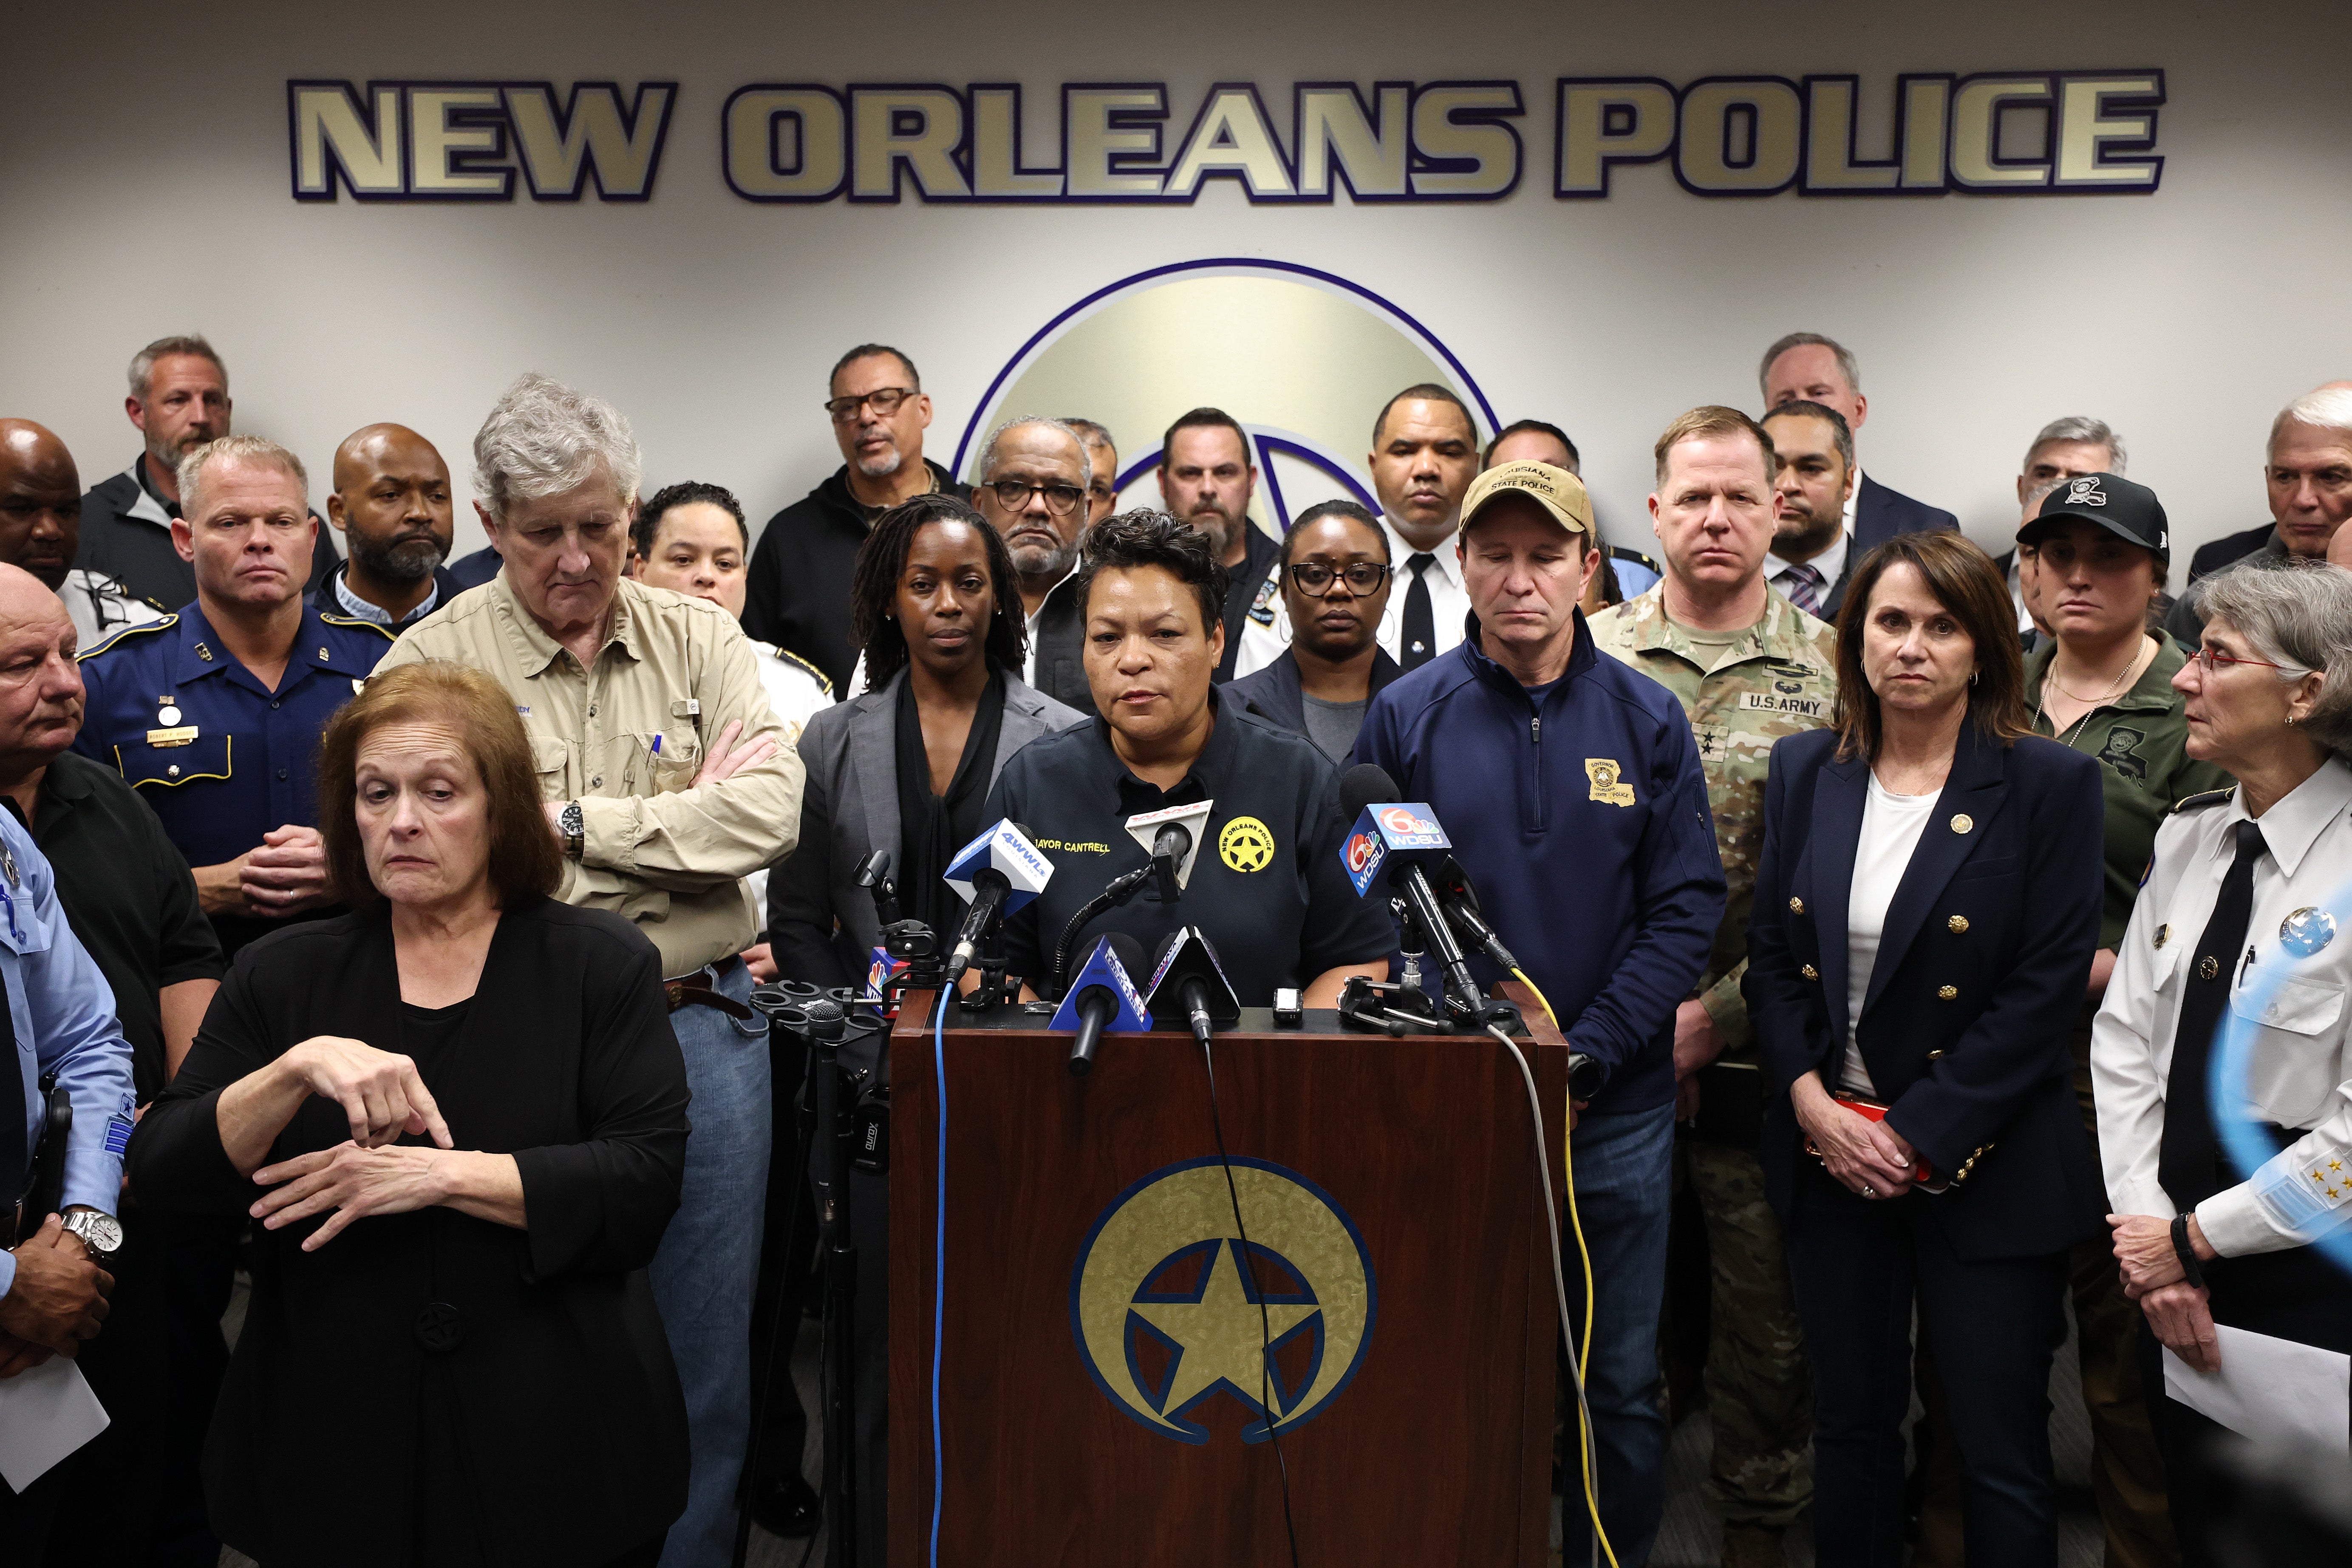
[(1802, 585)]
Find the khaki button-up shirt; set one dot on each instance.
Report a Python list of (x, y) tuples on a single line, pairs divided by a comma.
[(624, 738)]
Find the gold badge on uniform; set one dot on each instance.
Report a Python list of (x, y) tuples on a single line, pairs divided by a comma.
[(1607, 787), (1245, 845), (1963, 823)]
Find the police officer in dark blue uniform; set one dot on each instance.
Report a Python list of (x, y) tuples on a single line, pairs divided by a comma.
[(214, 714)]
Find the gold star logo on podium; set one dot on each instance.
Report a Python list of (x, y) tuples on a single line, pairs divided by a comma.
[(1220, 1337)]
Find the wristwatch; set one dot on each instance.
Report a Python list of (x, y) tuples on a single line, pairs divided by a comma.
[(575, 828), (101, 1233)]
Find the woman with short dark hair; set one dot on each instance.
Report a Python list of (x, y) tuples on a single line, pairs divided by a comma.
[(459, 1116), (1266, 884), (1336, 582), (1926, 909)]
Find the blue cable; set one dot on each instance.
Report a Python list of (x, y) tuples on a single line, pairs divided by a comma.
[(939, 1267)]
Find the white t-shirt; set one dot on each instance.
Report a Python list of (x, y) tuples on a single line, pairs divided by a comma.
[(1891, 825)]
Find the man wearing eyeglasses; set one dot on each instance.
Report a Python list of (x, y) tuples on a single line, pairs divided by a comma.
[(799, 594), (1034, 478)]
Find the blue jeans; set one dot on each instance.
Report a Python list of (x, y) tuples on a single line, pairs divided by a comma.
[(704, 1273), (1623, 1169)]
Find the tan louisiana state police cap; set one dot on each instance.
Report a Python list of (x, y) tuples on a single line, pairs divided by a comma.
[(1557, 490)]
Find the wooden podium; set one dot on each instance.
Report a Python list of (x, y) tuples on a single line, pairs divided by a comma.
[(1099, 1358)]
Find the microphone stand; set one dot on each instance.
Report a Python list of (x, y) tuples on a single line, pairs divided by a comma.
[(839, 1248), (988, 963)]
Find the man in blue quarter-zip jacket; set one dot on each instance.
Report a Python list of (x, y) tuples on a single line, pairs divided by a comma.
[(1572, 789)]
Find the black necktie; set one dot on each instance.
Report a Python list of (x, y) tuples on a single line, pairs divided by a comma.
[(2187, 1163), (15, 1154), (1420, 623)]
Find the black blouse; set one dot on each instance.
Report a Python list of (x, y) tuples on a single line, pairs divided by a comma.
[(932, 827), (429, 1387)]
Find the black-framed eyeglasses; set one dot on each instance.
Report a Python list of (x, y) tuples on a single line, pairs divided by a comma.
[(1315, 579), (1013, 495), (885, 399)]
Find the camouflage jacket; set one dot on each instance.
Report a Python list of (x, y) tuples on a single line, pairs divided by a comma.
[(1778, 678)]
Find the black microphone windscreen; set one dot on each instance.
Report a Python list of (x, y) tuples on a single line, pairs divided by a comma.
[(1129, 954), (1362, 784)]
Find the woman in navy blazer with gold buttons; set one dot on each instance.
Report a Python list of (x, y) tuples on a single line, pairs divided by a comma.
[(1927, 908)]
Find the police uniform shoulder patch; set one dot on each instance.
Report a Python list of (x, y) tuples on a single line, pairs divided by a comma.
[(166, 624), (354, 623), (824, 681), (1261, 608), (2209, 798)]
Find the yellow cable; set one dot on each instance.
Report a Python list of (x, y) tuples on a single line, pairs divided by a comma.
[(1584, 1258)]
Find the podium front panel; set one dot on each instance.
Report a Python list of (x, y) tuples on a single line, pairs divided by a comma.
[(1091, 1374)]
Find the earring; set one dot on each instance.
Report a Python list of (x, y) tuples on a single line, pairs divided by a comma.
[(1972, 676)]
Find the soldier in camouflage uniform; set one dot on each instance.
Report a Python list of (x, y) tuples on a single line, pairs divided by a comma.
[(1744, 690)]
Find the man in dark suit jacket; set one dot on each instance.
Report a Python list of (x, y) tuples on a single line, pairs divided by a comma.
[(799, 594), (1806, 367)]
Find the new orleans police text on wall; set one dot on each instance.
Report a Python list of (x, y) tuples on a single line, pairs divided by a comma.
[(2007, 132)]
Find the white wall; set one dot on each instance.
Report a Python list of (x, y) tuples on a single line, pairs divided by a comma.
[(143, 190)]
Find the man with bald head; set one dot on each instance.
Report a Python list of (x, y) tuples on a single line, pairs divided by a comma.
[(40, 530), (130, 899), (391, 502), (178, 401)]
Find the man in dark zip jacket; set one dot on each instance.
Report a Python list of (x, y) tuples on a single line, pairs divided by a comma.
[(1573, 792)]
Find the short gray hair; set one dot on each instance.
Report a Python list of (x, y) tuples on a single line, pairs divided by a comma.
[(239, 449), (542, 438), (2325, 407), (2090, 432), (2297, 614), (1847, 366), (1085, 458), (143, 363)]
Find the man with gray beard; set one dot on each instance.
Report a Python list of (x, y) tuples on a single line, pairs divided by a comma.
[(1206, 479), (392, 501), (1034, 476)]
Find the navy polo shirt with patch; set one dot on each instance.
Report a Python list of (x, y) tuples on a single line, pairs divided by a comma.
[(220, 757), (1268, 885)]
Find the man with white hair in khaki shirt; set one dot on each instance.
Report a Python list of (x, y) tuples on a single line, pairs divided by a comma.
[(668, 778)]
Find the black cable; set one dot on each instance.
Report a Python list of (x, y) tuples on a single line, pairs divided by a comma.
[(1264, 1320), (804, 1126)]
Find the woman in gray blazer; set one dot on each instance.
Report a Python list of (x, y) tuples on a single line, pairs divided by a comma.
[(906, 766)]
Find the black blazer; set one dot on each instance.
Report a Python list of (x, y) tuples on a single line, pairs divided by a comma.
[(351, 1430), (2003, 916), (1274, 693)]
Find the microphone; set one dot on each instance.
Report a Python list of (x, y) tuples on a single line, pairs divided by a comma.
[(1103, 999), (996, 873), (1461, 900), (1189, 986), (1405, 838), (1172, 837)]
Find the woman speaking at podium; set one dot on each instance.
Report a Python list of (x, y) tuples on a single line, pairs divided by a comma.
[(1925, 911), (1266, 884)]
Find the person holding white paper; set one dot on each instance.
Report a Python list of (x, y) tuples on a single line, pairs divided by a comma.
[(2233, 953)]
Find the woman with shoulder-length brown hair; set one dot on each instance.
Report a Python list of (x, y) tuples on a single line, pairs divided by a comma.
[(1926, 906), (459, 1115)]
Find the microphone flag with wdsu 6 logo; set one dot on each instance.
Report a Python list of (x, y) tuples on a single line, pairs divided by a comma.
[(1103, 999), (996, 873)]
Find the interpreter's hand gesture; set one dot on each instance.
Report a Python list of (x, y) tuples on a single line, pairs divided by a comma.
[(379, 1093), (719, 762), (352, 1181)]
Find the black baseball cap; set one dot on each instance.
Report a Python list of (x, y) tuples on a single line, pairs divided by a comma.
[(2129, 511)]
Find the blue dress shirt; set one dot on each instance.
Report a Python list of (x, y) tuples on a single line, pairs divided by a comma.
[(63, 1011)]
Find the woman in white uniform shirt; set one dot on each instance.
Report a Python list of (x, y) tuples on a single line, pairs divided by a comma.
[(2239, 923), (691, 538)]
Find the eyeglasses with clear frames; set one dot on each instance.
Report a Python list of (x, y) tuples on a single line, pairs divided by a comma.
[(885, 399)]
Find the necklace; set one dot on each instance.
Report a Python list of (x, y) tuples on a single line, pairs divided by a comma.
[(2123, 683)]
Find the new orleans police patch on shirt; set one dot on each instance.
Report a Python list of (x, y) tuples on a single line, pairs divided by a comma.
[(1245, 845), (1261, 608), (1171, 1313)]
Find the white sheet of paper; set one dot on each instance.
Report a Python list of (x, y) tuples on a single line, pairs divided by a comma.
[(45, 1415), (2270, 1389)]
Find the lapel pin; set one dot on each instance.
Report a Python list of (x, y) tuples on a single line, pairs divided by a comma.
[(1962, 822)]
